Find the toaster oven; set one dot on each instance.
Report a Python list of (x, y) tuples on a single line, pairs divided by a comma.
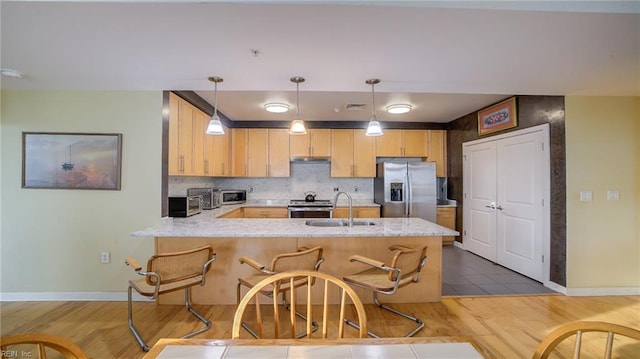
[(185, 206), (210, 196), (233, 196)]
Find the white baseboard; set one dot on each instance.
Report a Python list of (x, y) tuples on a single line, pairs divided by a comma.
[(458, 244), (555, 286), (69, 297), (591, 292)]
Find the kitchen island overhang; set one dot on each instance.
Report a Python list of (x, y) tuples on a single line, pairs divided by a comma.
[(263, 239)]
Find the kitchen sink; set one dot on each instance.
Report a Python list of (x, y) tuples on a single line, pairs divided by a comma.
[(336, 223)]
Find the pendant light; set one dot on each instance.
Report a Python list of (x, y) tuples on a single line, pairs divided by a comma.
[(215, 125), (297, 125), (374, 128)]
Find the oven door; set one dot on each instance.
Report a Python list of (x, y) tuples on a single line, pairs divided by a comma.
[(310, 212)]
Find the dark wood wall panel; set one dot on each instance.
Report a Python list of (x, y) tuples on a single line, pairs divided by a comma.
[(532, 111)]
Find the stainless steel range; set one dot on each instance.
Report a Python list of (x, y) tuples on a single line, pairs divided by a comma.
[(319, 208)]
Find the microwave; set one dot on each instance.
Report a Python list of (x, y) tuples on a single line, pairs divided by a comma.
[(185, 206), (233, 196), (210, 196)]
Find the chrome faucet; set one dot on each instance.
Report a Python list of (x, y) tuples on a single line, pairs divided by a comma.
[(335, 202)]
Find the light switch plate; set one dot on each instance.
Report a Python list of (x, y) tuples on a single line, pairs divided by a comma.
[(586, 196), (613, 195)]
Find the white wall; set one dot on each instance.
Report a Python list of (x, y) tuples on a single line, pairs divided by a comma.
[(51, 238), (603, 237)]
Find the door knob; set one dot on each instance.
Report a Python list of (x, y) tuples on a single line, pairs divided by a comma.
[(492, 205), (499, 207)]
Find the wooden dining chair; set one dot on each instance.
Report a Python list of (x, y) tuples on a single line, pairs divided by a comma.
[(303, 259), (330, 286), (63, 346), (405, 268), (550, 343), (168, 272)]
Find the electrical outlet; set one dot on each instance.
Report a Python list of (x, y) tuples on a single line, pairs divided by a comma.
[(336, 189), (105, 257), (613, 195)]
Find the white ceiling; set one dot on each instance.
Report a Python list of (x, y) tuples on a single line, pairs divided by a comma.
[(447, 59)]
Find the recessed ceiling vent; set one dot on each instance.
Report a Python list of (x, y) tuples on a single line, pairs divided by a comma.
[(355, 107)]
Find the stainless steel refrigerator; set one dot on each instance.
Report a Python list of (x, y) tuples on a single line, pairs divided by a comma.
[(406, 189)]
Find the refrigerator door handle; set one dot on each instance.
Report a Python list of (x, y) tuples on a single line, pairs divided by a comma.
[(410, 195)]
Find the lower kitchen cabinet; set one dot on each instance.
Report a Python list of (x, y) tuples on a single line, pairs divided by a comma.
[(236, 213), (266, 212), (358, 212), (446, 217)]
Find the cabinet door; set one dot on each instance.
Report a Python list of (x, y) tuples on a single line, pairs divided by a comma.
[(174, 160), (364, 154), (320, 142), (438, 151), (257, 152), (265, 212), (415, 143), (185, 137), (299, 145), (389, 144), (446, 217), (239, 152), (279, 162), (341, 153), (220, 166), (198, 142)]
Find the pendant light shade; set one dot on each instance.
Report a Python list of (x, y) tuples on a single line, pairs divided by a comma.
[(373, 128), (215, 125), (297, 125)]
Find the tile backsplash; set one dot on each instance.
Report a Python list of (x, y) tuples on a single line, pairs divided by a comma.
[(304, 177)]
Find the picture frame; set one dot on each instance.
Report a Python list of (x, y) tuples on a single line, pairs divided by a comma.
[(64, 160), (498, 117)]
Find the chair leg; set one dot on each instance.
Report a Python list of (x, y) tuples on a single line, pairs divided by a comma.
[(132, 327), (395, 311), (187, 303)]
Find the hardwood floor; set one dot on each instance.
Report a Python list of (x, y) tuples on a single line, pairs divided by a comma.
[(506, 326)]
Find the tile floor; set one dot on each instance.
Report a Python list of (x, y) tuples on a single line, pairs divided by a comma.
[(464, 273)]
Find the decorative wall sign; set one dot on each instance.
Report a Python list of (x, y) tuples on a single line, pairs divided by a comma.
[(498, 117), (71, 160)]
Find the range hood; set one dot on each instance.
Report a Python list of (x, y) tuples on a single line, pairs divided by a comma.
[(311, 159)]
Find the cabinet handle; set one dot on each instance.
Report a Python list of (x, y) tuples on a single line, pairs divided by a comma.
[(222, 169), (181, 163), (206, 166)]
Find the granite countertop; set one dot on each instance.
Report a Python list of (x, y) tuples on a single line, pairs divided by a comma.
[(206, 225)]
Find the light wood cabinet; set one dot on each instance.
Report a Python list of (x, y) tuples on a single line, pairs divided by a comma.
[(236, 213), (266, 212), (403, 143), (181, 122), (438, 151), (352, 154), (218, 154), (239, 152), (358, 212), (268, 152), (446, 217), (316, 143)]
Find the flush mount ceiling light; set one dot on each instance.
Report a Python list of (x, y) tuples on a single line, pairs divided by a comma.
[(399, 109), (297, 125), (215, 125), (15, 74), (374, 128), (276, 107)]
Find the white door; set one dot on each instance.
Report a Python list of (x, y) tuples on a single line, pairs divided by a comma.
[(479, 202), (504, 190), (519, 206)]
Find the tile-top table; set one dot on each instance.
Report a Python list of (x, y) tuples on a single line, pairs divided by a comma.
[(419, 348)]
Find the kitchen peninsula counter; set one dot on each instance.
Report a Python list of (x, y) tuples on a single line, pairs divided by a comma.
[(263, 239)]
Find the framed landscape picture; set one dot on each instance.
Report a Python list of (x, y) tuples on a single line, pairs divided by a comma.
[(71, 160), (498, 117)]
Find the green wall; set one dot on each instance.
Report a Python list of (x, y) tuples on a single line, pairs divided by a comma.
[(51, 239)]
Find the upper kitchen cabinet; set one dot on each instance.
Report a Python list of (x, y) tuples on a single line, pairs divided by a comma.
[(352, 154), (403, 143), (217, 153), (181, 122), (438, 151), (316, 143), (239, 152), (191, 151), (267, 152)]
